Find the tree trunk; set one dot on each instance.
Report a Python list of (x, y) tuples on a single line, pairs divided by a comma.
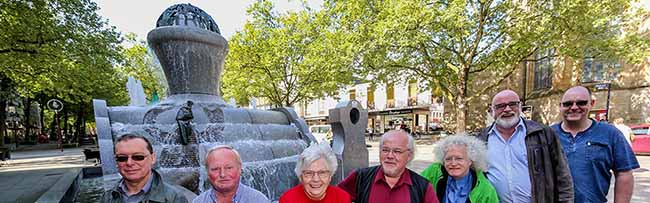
[(3, 118), (461, 102), (78, 123), (42, 103), (66, 127), (27, 121), (461, 112)]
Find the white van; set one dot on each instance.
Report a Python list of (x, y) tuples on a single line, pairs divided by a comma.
[(320, 132)]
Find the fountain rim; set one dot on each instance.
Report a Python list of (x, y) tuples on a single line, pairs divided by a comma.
[(185, 33)]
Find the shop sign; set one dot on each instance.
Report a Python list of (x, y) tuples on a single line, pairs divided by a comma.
[(395, 112)]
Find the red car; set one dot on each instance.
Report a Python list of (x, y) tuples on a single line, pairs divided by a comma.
[(641, 142)]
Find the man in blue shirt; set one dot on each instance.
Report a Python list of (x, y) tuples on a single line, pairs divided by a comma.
[(593, 150), (525, 159)]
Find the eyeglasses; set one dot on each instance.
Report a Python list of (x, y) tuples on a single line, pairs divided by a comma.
[(512, 105), (454, 159), (124, 158), (396, 151), (579, 103), (310, 174)]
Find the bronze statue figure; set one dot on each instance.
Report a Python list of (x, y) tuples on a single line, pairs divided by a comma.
[(184, 119)]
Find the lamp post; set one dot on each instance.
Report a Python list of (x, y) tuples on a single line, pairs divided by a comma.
[(56, 106), (601, 86)]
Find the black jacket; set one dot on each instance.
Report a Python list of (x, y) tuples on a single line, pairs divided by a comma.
[(550, 175)]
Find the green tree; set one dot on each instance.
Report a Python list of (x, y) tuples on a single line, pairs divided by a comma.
[(465, 48), (286, 58), (59, 48), (140, 64)]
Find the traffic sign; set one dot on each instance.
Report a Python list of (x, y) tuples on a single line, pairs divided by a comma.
[(55, 105)]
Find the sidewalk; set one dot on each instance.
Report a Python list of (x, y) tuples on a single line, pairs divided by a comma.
[(29, 174)]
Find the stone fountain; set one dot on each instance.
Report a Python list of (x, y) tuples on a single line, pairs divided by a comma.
[(191, 51)]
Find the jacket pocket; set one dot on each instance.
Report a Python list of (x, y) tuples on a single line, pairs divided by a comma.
[(537, 158)]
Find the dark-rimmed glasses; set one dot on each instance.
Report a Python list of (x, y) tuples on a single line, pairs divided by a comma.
[(512, 105), (396, 151), (580, 103), (310, 174), (124, 158)]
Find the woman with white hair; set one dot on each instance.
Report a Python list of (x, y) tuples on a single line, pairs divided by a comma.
[(457, 171), (314, 169)]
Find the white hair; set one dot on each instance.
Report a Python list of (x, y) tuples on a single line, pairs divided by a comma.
[(222, 147), (410, 145), (476, 150), (313, 153)]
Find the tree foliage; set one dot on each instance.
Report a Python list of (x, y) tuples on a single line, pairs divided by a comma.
[(467, 47), (59, 49), (285, 58), (139, 63)]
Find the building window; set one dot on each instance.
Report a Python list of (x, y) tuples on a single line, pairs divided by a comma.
[(594, 70), (390, 95), (413, 93), (371, 97), (353, 94), (543, 69)]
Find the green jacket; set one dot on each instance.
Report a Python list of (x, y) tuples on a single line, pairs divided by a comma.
[(159, 192), (482, 190)]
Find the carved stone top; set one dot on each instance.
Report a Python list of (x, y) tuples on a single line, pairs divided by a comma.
[(187, 15)]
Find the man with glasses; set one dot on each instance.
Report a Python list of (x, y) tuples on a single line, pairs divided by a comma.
[(224, 167), (525, 158), (391, 181), (594, 149), (140, 183)]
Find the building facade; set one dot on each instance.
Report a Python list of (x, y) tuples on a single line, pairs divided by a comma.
[(390, 106)]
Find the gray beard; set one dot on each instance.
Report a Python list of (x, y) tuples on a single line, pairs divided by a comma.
[(507, 123)]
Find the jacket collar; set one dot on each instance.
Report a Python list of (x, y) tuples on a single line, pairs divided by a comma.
[(156, 192)]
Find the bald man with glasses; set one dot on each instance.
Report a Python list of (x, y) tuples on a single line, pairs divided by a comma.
[(140, 182), (525, 158), (594, 150)]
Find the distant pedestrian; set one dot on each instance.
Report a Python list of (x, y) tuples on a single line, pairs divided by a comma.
[(625, 130), (525, 158), (140, 183), (594, 149)]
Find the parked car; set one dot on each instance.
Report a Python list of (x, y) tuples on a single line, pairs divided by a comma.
[(435, 126), (320, 132), (641, 142)]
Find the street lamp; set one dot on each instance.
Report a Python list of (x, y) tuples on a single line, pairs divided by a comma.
[(601, 86)]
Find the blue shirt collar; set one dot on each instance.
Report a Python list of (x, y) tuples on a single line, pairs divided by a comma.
[(521, 127), (458, 190)]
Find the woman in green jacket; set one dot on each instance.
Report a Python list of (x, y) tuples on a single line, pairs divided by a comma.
[(457, 171)]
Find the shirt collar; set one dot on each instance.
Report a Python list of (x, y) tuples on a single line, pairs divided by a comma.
[(405, 178), (521, 127), (462, 184), (122, 188), (213, 194)]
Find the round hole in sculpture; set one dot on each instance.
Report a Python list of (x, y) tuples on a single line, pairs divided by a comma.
[(354, 115)]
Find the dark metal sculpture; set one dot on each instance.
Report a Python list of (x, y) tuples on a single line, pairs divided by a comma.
[(187, 15), (184, 119)]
